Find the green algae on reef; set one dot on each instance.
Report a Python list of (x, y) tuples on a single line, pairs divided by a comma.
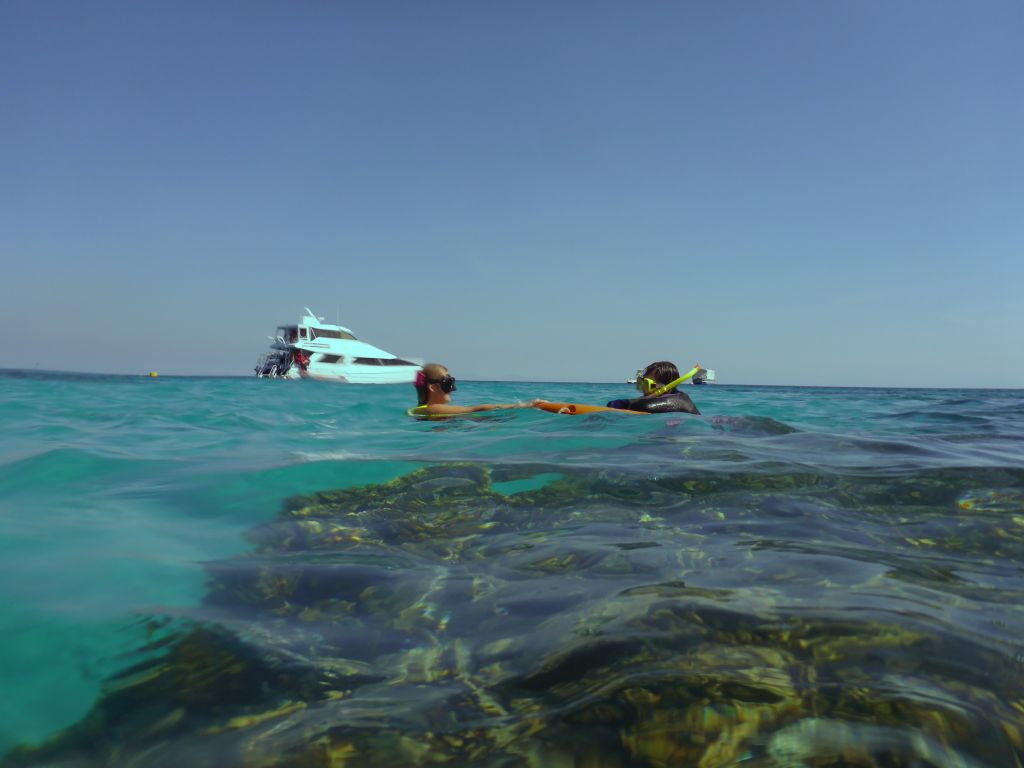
[(602, 619)]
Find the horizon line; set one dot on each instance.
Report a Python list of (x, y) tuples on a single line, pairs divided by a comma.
[(44, 371)]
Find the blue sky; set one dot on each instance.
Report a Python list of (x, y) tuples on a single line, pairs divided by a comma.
[(795, 192)]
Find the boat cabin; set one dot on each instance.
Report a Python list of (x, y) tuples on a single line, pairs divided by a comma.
[(293, 334)]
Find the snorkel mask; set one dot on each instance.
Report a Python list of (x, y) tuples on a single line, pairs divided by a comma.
[(447, 383), (643, 383)]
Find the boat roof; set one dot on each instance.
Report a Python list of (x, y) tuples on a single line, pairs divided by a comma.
[(310, 319)]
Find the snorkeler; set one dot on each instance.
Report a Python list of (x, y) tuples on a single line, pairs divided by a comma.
[(434, 386), (652, 378)]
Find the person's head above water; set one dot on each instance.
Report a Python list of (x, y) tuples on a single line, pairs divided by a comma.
[(434, 384), (656, 375), (658, 386)]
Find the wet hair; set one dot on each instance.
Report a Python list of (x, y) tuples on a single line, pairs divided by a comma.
[(431, 373), (662, 372)]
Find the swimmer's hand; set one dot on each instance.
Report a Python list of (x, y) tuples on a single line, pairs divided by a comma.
[(521, 404), (505, 406)]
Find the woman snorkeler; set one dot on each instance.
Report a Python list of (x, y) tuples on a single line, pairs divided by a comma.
[(434, 387)]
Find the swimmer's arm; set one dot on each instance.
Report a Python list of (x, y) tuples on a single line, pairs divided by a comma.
[(452, 409)]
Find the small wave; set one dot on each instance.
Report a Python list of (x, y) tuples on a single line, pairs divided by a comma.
[(68, 469), (311, 456), (751, 425)]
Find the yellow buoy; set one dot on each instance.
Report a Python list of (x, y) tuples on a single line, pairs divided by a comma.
[(153, 374)]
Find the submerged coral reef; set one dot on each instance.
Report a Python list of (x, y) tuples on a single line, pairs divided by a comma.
[(466, 615)]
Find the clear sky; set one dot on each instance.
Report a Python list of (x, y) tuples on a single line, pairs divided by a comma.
[(791, 192)]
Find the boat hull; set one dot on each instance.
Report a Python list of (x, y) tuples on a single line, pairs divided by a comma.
[(354, 374)]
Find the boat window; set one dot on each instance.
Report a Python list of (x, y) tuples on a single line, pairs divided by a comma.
[(330, 334), (331, 359), (395, 361), (367, 361), (302, 333)]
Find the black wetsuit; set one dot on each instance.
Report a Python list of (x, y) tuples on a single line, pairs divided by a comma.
[(670, 402)]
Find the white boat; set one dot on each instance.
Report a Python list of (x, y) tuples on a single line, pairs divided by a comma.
[(704, 376), (313, 349)]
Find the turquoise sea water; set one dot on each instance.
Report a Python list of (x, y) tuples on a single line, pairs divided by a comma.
[(243, 571)]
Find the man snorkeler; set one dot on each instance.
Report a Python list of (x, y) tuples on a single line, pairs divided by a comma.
[(654, 377)]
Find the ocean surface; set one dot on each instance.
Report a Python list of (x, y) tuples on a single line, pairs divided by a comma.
[(233, 571)]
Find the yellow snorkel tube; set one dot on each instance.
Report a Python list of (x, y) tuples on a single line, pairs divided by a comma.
[(673, 384)]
